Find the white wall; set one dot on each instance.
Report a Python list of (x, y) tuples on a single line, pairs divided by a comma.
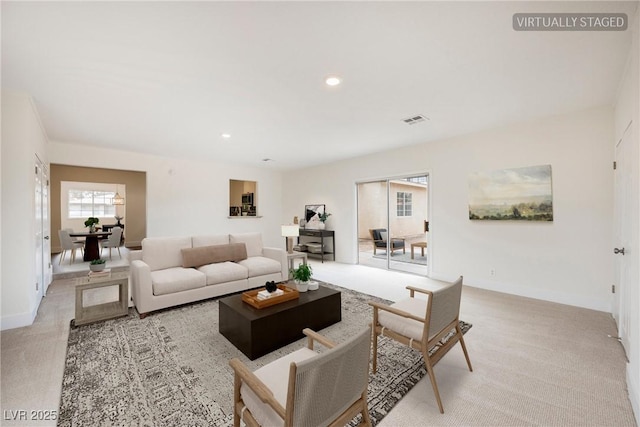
[(628, 109), (568, 260), (187, 197), (22, 139)]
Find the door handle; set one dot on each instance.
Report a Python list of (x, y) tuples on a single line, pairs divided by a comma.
[(46, 237), (618, 251)]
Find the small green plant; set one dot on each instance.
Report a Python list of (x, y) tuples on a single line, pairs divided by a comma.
[(303, 273), (98, 261), (91, 221), (324, 216)]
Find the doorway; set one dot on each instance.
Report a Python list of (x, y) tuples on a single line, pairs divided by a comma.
[(393, 223)]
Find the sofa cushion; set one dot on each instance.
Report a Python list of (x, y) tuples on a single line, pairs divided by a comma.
[(259, 266), (219, 239), (164, 252), (252, 240), (203, 255), (171, 280), (223, 272)]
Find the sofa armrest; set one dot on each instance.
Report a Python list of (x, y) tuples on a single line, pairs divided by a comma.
[(141, 286), (134, 255), (279, 255)]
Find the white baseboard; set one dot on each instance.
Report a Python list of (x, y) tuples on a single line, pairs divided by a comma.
[(558, 297), (18, 320), (632, 389)]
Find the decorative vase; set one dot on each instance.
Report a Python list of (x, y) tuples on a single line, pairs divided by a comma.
[(97, 267), (313, 285), (321, 225), (302, 286), (92, 228)]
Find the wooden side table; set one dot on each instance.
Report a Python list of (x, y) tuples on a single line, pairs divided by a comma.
[(109, 310), (421, 245)]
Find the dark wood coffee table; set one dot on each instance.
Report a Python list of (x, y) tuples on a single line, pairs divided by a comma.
[(256, 332)]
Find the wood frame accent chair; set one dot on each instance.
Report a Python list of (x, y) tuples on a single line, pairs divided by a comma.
[(306, 387), (380, 242), (421, 324)]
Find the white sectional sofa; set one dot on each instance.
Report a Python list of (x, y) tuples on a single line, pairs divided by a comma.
[(170, 271)]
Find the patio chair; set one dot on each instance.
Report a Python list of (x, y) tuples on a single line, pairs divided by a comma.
[(406, 322), (306, 388), (379, 237)]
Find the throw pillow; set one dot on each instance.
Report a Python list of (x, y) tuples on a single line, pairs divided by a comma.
[(203, 255)]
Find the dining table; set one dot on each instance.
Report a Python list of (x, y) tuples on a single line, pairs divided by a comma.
[(91, 245)]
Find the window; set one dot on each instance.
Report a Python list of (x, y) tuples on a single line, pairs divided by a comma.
[(86, 203), (404, 204)]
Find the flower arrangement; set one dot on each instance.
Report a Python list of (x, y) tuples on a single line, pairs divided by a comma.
[(91, 223), (324, 216), (303, 273)]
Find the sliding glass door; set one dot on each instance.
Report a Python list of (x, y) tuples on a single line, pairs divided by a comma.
[(393, 223)]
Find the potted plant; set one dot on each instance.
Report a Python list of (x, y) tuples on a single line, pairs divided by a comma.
[(97, 264), (324, 216), (91, 223), (302, 275)]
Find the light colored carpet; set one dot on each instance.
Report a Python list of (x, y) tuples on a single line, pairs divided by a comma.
[(400, 257), (171, 368)]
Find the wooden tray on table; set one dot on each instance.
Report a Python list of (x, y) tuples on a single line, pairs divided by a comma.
[(251, 297)]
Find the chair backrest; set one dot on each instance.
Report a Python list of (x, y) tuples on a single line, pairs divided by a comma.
[(66, 242), (114, 238), (375, 233), (443, 307), (328, 384)]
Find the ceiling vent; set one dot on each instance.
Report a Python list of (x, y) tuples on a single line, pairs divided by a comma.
[(415, 119)]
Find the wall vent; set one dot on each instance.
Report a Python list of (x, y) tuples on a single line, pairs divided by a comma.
[(415, 119)]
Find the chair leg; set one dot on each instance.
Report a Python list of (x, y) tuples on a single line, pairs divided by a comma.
[(366, 419), (61, 256), (236, 399), (464, 347), (432, 377), (374, 360)]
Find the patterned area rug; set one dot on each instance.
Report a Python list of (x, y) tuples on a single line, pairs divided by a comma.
[(171, 368)]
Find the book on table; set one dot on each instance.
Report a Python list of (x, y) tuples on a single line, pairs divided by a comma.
[(265, 294), (96, 274)]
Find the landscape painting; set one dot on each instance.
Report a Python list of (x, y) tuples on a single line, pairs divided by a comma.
[(512, 194)]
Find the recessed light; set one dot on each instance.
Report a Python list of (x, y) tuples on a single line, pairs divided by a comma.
[(333, 81), (225, 136)]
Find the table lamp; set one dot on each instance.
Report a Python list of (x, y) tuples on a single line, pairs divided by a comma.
[(290, 231)]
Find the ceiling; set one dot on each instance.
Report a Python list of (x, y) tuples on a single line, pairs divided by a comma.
[(168, 78)]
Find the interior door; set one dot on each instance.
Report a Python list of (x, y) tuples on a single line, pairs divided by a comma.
[(622, 236), (39, 232), (42, 230), (46, 230)]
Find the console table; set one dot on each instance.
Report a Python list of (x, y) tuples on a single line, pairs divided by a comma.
[(109, 310), (321, 234)]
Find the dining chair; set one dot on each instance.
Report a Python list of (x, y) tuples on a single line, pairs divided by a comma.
[(113, 241), (422, 325), (306, 388), (68, 244)]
